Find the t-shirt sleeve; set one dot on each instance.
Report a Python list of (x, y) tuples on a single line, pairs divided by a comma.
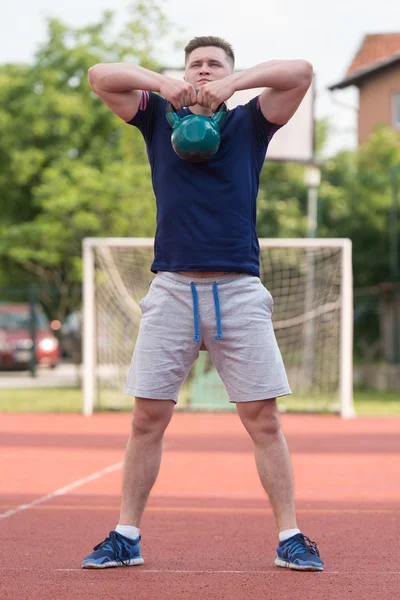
[(151, 107), (263, 128)]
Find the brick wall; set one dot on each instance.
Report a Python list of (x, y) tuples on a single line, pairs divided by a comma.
[(375, 100)]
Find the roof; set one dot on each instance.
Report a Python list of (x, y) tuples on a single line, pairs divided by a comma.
[(377, 51), (375, 48)]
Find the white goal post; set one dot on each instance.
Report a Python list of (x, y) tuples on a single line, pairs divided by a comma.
[(312, 285)]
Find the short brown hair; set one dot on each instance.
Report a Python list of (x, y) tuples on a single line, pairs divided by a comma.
[(209, 40)]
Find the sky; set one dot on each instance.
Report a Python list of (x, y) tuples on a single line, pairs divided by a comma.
[(328, 34)]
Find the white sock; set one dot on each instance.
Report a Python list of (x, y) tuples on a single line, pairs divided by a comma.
[(128, 531), (288, 533)]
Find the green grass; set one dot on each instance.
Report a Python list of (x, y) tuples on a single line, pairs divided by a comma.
[(367, 402), (41, 400), (380, 404)]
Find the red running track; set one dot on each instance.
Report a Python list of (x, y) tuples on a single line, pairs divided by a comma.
[(208, 531)]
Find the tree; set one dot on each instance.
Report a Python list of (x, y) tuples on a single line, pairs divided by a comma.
[(356, 198), (282, 198), (69, 168), (282, 201)]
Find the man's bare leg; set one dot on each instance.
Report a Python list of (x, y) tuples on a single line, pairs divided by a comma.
[(143, 456), (261, 419)]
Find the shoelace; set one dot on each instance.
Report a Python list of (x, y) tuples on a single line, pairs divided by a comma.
[(302, 542), (119, 550)]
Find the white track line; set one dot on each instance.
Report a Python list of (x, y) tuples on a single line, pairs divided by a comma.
[(64, 490), (139, 570), (223, 509)]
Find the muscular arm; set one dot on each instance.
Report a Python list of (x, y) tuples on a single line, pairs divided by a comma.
[(286, 83), (120, 87)]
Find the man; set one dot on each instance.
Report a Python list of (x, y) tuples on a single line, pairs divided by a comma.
[(207, 293)]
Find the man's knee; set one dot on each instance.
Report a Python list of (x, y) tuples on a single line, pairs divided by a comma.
[(261, 419), (151, 417)]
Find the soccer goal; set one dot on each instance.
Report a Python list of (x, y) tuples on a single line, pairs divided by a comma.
[(310, 281)]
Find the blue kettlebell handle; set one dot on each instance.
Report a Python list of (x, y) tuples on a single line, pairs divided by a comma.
[(174, 119)]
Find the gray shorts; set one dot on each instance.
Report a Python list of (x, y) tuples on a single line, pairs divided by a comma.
[(228, 315)]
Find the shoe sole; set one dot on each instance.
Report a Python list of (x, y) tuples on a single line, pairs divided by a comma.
[(132, 563), (288, 565)]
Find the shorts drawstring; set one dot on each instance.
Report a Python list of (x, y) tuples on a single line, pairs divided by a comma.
[(195, 313), (217, 312), (196, 318)]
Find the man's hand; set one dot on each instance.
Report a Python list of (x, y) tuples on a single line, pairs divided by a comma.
[(214, 93), (179, 93)]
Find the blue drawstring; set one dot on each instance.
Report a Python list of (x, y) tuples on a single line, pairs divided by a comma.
[(217, 312), (196, 319), (195, 313)]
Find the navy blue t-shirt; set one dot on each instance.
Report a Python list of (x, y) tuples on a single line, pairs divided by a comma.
[(206, 212)]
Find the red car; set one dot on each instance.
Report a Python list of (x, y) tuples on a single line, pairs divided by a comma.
[(16, 338)]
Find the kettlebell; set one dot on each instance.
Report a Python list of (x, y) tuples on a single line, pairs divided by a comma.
[(195, 138)]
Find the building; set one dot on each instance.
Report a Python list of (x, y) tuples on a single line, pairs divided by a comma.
[(375, 71)]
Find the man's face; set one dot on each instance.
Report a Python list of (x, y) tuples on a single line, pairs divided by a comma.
[(207, 64)]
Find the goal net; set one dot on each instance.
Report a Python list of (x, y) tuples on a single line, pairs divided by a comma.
[(310, 281)]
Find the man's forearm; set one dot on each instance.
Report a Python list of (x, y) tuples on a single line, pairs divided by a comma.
[(119, 77), (278, 74)]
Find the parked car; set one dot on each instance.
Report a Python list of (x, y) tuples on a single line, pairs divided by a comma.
[(16, 342), (71, 337)]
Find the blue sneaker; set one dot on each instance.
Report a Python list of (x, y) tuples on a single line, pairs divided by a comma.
[(300, 553), (115, 551)]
